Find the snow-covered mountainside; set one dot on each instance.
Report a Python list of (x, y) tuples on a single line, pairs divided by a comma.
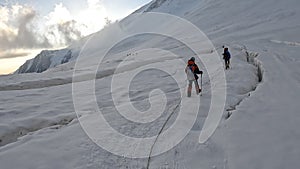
[(45, 60), (259, 128)]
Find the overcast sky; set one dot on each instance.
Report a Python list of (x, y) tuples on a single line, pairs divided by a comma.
[(27, 26)]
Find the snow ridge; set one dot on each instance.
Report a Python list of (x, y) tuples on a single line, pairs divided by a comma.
[(251, 58), (25, 127), (155, 5)]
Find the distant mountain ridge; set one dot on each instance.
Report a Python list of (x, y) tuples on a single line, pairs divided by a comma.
[(47, 59)]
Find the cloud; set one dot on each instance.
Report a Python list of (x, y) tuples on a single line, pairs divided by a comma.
[(93, 3), (60, 14), (62, 29), (26, 36), (22, 27), (64, 33), (93, 17), (17, 30), (13, 54), (69, 30)]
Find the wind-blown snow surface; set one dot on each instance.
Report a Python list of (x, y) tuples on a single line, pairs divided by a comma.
[(39, 128)]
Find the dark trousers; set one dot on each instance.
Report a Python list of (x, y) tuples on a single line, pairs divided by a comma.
[(227, 63)]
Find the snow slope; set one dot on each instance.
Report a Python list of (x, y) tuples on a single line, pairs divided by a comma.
[(39, 128)]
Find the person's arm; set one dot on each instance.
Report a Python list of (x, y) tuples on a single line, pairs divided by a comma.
[(197, 71)]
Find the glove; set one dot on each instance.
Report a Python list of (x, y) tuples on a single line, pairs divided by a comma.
[(201, 72)]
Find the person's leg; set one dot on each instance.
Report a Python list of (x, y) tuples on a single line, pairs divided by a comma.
[(189, 91), (198, 90), (227, 63)]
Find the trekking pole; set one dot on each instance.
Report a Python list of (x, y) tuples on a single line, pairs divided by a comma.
[(201, 86)]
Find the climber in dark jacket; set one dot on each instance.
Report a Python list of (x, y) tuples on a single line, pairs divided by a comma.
[(226, 57)]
